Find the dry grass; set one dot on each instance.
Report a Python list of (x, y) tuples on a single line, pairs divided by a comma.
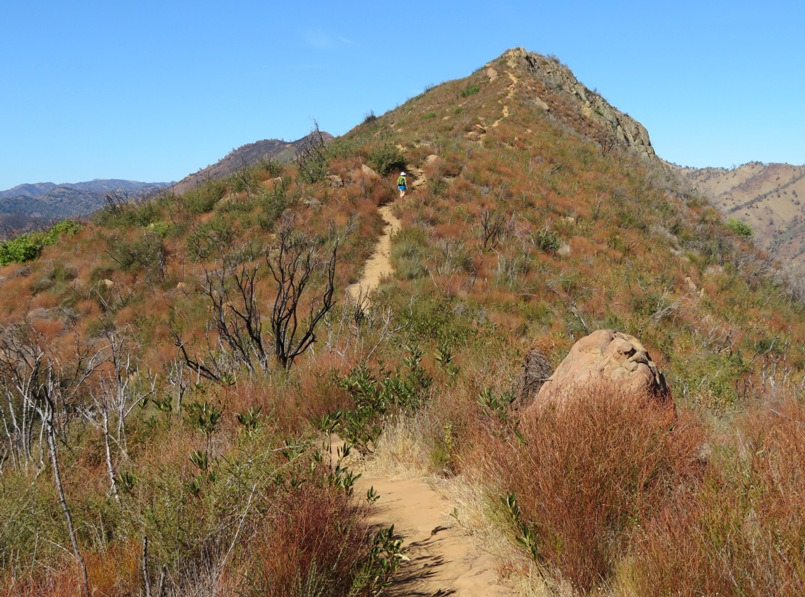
[(400, 451), (741, 531), (312, 544), (585, 476)]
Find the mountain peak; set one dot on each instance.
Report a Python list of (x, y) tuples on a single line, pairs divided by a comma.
[(552, 86)]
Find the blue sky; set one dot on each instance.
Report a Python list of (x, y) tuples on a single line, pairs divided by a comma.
[(153, 91)]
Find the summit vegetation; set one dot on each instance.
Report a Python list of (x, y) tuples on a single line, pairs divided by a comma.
[(173, 371)]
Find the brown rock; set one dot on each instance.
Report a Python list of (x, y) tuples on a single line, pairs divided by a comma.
[(273, 183), (335, 181), (369, 173), (604, 357)]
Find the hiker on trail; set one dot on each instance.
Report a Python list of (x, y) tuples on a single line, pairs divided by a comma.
[(401, 185)]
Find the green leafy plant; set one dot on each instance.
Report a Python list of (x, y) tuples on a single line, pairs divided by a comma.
[(470, 89), (497, 404), (28, 246), (546, 240), (209, 239), (524, 533), (204, 198), (374, 398), (739, 228), (386, 159)]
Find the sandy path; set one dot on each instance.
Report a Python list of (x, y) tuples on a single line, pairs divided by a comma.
[(443, 559), (379, 264), (512, 63)]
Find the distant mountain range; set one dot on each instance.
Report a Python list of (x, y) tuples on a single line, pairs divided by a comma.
[(30, 206)]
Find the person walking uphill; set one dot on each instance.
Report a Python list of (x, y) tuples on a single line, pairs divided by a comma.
[(401, 184)]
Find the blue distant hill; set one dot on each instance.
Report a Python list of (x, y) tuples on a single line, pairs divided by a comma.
[(50, 200), (30, 206)]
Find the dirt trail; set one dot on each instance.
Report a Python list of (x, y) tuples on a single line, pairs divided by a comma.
[(512, 64), (442, 558), (379, 264)]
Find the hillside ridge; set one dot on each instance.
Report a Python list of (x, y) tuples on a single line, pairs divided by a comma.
[(769, 198), (245, 156)]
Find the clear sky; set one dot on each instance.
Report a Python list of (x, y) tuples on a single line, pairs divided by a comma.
[(154, 90)]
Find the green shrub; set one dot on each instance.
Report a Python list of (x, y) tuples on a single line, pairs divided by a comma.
[(342, 148), (546, 240), (145, 252), (739, 228), (437, 186), (202, 199), (272, 204), (121, 214), (386, 159), (21, 249), (273, 167), (161, 229), (28, 246), (375, 398), (470, 89), (210, 239)]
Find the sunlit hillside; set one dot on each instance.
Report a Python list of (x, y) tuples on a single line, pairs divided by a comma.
[(173, 370), (768, 199)]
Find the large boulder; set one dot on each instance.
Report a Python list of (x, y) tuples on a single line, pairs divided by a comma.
[(605, 357)]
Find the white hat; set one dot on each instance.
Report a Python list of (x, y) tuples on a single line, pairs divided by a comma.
[(402, 173)]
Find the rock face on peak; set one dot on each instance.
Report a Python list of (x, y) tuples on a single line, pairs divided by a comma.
[(604, 357), (567, 98)]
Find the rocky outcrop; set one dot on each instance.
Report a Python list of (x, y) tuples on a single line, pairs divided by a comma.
[(605, 357), (565, 95)]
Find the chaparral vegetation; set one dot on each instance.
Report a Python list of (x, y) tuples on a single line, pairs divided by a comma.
[(172, 371)]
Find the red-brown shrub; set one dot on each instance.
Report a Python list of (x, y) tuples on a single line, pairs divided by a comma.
[(312, 543), (588, 473), (742, 531)]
